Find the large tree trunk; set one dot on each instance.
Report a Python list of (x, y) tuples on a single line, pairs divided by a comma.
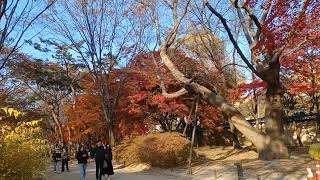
[(267, 147), (273, 113), (235, 139), (112, 140), (59, 125), (110, 125)]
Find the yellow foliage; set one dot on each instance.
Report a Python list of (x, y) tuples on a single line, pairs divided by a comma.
[(23, 150), (12, 112)]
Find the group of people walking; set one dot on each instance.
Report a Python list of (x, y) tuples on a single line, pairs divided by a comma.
[(102, 155), (60, 158)]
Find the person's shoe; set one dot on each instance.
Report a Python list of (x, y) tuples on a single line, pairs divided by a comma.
[(68, 170), (55, 171)]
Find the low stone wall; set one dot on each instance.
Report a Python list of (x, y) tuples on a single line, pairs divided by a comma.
[(306, 130)]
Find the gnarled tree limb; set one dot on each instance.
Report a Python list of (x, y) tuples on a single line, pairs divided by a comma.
[(225, 25), (262, 142)]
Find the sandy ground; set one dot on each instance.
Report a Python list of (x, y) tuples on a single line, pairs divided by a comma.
[(216, 163), (128, 173), (222, 161)]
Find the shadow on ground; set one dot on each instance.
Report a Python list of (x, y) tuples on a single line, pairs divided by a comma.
[(214, 162)]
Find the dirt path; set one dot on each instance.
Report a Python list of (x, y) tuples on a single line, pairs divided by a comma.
[(120, 174), (222, 172), (209, 172), (220, 165)]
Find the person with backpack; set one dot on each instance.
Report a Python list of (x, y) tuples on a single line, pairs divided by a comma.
[(65, 159), (56, 157)]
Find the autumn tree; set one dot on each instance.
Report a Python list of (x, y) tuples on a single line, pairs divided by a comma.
[(84, 114), (201, 44), (282, 28), (46, 81), (23, 141), (105, 35), (268, 146), (301, 73), (61, 54), (146, 100), (86, 120)]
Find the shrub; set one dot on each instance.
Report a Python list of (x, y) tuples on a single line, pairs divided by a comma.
[(22, 151), (158, 150), (314, 151)]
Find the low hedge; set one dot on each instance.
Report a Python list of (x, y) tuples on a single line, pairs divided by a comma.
[(314, 151)]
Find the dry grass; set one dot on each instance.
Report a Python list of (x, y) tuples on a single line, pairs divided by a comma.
[(158, 150), (219, 162), (219, 153)]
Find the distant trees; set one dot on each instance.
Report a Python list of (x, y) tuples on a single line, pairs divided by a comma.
[(104, 35), (48, 82)]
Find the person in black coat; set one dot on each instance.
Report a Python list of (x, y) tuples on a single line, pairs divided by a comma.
[(99, 156), (82, 157), (108, 170), (65, 159), (103, 158)]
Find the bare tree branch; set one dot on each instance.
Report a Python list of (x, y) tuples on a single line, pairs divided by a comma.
[(243, 57), (249, 11), (234, 64), (17, 40), (242, 21)]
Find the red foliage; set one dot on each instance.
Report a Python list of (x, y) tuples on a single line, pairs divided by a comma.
[(290, 24), (87, 118), (242, 91), (140, 102), (302, 72), (145, 92)]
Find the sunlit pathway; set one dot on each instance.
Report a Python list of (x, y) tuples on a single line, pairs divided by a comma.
[(120, 174), (224, 172)]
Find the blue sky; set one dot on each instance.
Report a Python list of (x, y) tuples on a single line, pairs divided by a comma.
[(39, 29)]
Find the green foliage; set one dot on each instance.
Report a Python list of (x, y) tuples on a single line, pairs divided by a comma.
[(23, 151), (314, 151), (46, 75), (158, 150)]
